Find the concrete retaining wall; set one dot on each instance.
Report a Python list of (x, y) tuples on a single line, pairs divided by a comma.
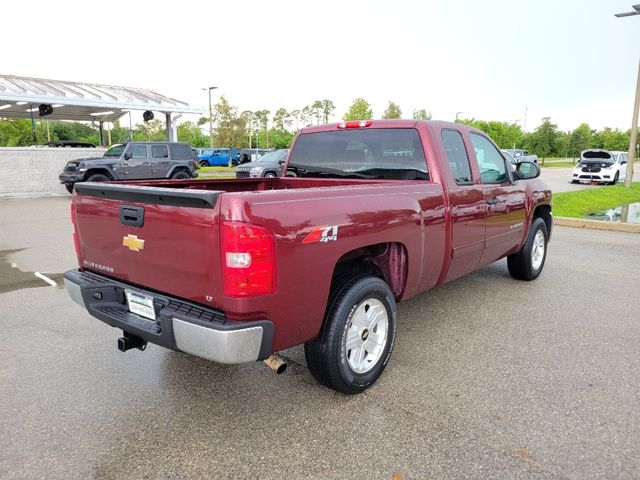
[(33, 172)]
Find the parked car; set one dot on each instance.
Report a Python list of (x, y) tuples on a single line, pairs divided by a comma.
[(132, 161), (511, 161), (210, 157), (320, 259), (268, 165), (247, 155), (522, 155), (70, 144), (600, 166)]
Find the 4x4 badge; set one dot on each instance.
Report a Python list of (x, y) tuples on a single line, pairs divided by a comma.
[(322, 234), (133, 243)]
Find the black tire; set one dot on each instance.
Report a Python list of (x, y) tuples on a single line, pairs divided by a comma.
[(180, 175), (204, 163), (575, 181), (270, 175), (327, 357), (616, 178), (98, 177), (521, 265), (69, 187)]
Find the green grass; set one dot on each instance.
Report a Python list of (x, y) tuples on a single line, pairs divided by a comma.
[(217, 169), (580, 203)]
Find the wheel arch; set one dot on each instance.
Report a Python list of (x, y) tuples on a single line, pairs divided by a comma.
[(101, 170), (388, 261), (544, 212)]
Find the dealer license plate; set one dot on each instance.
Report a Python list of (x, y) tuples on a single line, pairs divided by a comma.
[(140, 304)]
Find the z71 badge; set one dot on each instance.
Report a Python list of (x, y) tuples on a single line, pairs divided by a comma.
[(322, 234)]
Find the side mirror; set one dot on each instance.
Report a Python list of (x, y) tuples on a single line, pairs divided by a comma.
[(282, 162), (623, 162), (127, 156), (527, 170)]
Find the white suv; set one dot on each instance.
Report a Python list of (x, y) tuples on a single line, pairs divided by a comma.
[(600, 166)]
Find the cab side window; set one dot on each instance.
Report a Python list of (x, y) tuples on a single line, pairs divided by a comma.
[(138, 151), (491, 163), (457, 157), (159, 151)]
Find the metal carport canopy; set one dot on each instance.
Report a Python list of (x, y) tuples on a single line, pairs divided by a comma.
[(81, 101)]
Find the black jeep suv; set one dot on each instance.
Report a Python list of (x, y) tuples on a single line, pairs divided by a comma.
[(133, 161)]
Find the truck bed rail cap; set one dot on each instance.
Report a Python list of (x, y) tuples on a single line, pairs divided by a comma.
[(177, 197)]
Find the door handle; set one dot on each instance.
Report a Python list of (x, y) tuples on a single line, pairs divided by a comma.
[(493, 201)]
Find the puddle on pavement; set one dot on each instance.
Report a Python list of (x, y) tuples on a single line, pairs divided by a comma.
[(627, 213), (13, 278)]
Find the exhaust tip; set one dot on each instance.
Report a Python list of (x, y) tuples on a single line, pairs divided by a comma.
[(276, 364)]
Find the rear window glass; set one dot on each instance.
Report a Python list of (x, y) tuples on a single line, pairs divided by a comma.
[(389, 153), (597, 155), (181, 151), (159, 151)]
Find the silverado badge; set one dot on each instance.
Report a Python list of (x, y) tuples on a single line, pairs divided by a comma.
[(134, 243)]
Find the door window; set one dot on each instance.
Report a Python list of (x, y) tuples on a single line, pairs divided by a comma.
[(138, 151), (159, 151), (457, 157), (491, 163)]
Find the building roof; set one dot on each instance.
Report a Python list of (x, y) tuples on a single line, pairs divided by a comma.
[(81, 101)]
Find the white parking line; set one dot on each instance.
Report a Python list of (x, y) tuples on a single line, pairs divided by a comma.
[(45, 279)]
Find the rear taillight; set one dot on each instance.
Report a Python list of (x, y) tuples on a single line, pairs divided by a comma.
[(355, 124), (248, 260), (75, 233)]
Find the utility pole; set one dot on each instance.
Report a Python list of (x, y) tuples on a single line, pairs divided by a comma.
[(633, 141), (210, 116), (636, 106)]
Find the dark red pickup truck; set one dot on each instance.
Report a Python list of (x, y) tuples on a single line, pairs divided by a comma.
[(369, 214)]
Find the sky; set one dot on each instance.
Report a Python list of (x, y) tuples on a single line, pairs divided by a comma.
[(491, 60)]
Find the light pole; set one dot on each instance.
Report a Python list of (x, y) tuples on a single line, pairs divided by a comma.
[(210, 117), (457, 113), (636, 106)]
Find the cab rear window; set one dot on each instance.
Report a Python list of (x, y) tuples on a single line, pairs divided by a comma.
[(390, 153)]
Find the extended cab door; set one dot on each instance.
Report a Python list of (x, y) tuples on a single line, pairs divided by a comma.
[(467, 207), (505, 200), (135, 164)]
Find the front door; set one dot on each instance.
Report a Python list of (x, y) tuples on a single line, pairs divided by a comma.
[(137, 165), (505, 200)]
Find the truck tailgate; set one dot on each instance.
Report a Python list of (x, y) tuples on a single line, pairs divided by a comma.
[(165, 239)]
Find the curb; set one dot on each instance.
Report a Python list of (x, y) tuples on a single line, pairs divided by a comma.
[(596, 224)]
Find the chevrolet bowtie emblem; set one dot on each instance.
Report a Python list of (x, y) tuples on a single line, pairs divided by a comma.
[(134, 243)]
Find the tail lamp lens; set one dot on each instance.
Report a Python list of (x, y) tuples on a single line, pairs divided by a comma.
[(248, 260), (75, 233)]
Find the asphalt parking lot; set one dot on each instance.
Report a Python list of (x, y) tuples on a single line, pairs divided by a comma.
[(490, 378)]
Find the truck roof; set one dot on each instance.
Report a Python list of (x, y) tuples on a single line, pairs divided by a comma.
[(392, 123)]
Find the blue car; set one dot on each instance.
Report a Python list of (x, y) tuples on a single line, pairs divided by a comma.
[(210, 157)]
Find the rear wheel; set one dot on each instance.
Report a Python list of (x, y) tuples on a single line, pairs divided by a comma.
[(527, 264), (98, 177), (204, 163), (354, 347), (180, 175)]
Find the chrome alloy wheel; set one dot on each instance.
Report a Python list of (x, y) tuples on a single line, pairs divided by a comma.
[(537, 250), (366, 335)]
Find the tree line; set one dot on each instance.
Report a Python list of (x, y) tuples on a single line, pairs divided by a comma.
[(547, 141), (260, 128)]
